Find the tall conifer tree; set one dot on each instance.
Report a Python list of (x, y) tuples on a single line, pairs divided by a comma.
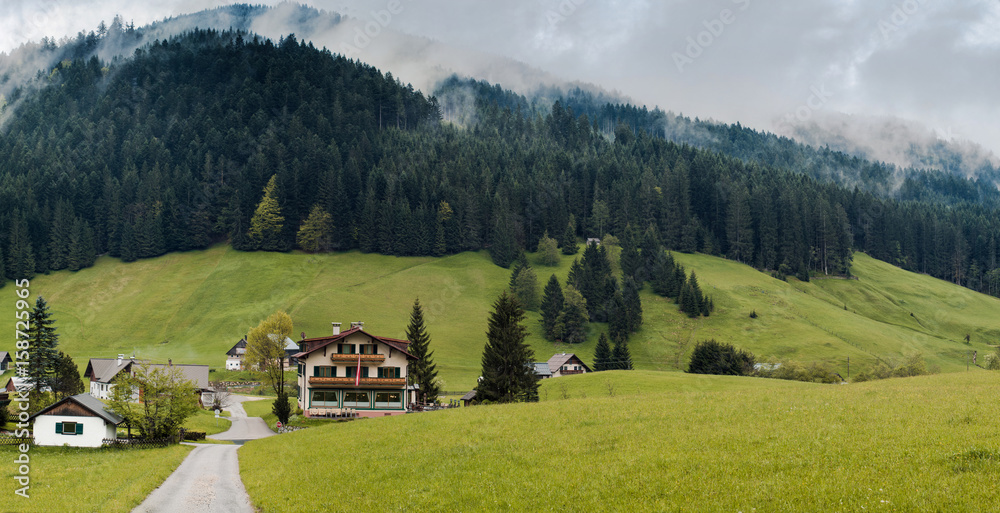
[(508, 374), (423, 372)]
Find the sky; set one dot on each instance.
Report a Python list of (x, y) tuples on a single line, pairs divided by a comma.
[(924, 63)]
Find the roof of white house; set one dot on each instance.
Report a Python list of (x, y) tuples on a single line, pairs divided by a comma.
[(5, 356), (90, 403), (560, 359), (103, 370), (542, 369)]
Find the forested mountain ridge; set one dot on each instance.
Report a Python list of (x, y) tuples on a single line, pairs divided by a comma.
[(949, 184), (213, 135)]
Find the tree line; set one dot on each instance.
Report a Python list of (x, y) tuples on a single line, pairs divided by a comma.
[(223, 136)]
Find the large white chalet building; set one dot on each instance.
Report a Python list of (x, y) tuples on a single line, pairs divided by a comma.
[(353, 370)]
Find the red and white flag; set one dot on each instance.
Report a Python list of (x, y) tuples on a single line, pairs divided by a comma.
[(357, 374)]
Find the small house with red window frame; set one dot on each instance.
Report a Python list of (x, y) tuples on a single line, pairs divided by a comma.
[(353, 371)]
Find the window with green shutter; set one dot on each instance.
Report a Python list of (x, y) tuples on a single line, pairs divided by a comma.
[(79, 429), (58, 428)]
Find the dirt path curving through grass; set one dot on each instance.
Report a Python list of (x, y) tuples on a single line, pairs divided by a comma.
[(208, 480)]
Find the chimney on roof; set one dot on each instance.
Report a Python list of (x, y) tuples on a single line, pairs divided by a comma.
[(357, 324), (336, 328), (120, 356)]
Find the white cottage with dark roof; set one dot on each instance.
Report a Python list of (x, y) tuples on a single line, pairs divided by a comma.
[(76, 421)]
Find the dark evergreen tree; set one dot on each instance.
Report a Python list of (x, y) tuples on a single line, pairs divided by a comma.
[(632, 305), (571, 326), (423, 371), (569, 245), (281, 408), (66, 378), (631, 260), (42, 342), (504, 249), (508, 372), (621, 357), (618, 322), (551, 307), (603, 358), (20, 256), (575, 277), (711, 357)]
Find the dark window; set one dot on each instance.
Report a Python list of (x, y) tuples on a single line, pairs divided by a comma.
[(325, 371), (389, 372), (357, 399), (388, 399)]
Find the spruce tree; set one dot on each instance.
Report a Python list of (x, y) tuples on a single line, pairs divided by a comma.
[(3, 272), (508, 373), (267, 221), (633, 305), (42, 342), (20, 256), (569, 246), (422, 372), (572, 322), (602, 354), (621, 357), (618, 319), (66, 379), (551, 307)]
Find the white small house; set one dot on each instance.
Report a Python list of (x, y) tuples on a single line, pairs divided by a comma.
[(77, 421)]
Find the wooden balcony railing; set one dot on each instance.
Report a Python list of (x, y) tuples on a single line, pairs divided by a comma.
[(394, 382), (365, 358)]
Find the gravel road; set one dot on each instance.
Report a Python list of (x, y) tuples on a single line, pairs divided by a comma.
[(208, 480)]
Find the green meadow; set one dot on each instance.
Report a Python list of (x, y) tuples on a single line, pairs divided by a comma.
[(83, 479), (192, 307), (662, 442)]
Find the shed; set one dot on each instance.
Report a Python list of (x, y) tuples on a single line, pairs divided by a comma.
[(542, 370), (77, 421), (5, 361), (468, 398)]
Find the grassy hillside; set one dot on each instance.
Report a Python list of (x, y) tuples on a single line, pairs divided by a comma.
[(193, 306), (682, 443)]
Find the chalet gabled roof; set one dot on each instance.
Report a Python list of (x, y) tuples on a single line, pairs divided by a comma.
[(242, 344), (560, 359), (321, 342), (104, 370), (5, 357), (90, 403)]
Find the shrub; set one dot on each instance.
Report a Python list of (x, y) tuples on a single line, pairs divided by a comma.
[(792, 371), (194, 435), (711, 357), (912, 365)]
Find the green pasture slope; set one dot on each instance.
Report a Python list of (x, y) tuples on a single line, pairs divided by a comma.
[(678, 442), (193, 306)]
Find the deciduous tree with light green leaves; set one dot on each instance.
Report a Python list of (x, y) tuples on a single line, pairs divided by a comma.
[(267, 221), (266, 355), (155, 400)]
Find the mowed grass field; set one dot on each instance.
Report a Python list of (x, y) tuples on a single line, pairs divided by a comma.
[(192, 307), (84, 479), (678, 443)]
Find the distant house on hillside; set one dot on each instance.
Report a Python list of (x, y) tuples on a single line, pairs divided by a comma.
[(234, 357), (76, 421), (15, 382), (103, 371), (353, 370), (564, 364), (594, 241), (5, 361)]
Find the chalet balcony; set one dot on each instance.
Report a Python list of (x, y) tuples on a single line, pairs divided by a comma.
[(365, 358), (365, 382)]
